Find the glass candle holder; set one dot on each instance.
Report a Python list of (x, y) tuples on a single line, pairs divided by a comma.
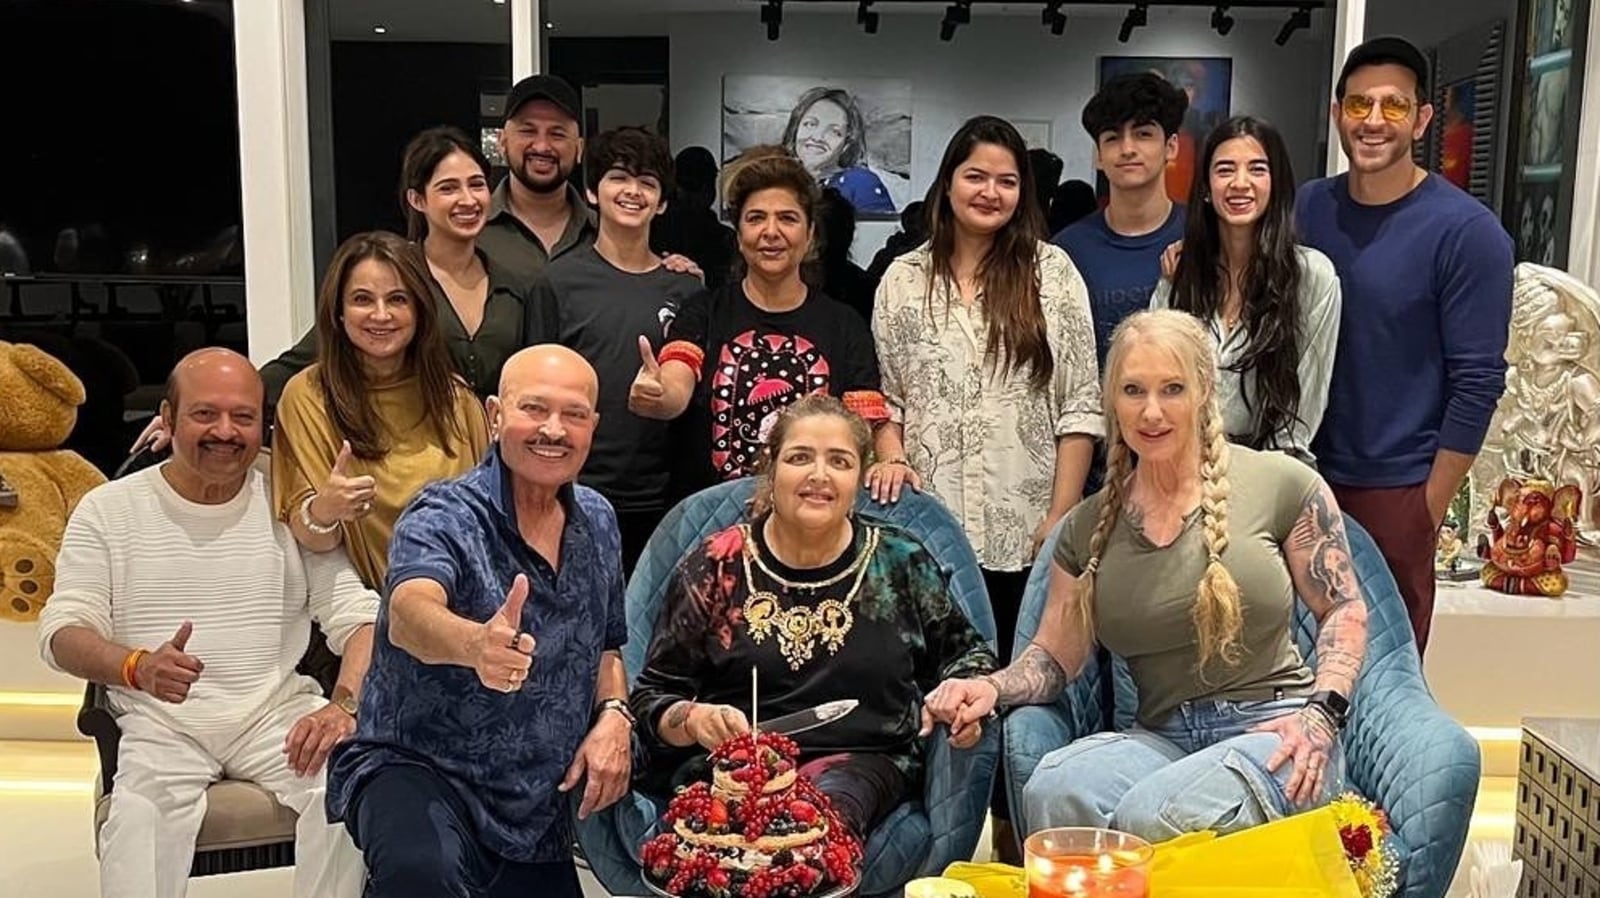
[(1084, 862), (939, 887)]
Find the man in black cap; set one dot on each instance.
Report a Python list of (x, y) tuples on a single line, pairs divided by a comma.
[(536, 214), (1426, 277)]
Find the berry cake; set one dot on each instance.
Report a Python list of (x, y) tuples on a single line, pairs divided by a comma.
[(757, 830)]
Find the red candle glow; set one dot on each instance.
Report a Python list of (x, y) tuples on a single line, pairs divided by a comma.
[(1087, 863)]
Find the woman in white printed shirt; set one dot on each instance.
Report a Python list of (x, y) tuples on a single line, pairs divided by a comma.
[(988, 363)]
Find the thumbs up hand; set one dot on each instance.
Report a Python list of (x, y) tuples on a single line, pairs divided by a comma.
[(646, 394), (504, 653), (169, 671), (343, 497)]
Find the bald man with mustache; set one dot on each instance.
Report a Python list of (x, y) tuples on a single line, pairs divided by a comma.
[(497, 682), (179, 590)]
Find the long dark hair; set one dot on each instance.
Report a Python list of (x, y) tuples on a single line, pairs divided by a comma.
[(345, 387), (1017, 339), (1269, 289), (423, 154)]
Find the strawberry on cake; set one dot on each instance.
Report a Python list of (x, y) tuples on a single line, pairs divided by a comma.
[(757, 830)]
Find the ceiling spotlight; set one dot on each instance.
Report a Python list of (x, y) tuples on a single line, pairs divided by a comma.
[(866, 18), (1054, 17), (379, 29), (1221, 22), (959, 13), (1138, 17), (772, 17), (1301, 19)]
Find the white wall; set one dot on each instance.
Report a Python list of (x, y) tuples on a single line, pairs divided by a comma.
[(1008, 66)]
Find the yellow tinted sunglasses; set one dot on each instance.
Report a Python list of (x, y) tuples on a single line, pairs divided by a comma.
[(1395, 107)]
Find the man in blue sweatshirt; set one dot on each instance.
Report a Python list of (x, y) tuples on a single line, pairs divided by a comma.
[(1426, 276)]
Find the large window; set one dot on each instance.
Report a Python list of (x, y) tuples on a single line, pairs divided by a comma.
[(120, 244)]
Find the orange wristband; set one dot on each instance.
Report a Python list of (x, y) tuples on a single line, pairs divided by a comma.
[(130, 668)]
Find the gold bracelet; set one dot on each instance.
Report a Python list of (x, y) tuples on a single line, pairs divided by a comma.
[(897, 460)]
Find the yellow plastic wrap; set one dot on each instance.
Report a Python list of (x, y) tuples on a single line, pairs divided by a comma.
[(1298, 857)]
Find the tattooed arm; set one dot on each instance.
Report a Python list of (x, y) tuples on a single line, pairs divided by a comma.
[(1051, 661), (1057, 653), (1318, 554)]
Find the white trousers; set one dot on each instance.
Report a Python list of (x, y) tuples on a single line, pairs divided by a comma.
[(159, 800)]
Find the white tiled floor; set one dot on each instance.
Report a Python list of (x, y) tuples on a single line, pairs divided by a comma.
[(46, 848)]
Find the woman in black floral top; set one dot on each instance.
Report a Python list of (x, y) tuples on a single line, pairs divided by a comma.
[(825, 606)]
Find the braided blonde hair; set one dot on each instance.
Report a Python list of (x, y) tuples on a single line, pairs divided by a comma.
[(1218, 618)]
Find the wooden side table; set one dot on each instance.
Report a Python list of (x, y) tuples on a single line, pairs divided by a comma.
[(1558, 808)]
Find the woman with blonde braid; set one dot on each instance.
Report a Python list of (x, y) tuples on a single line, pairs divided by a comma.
[(1187, 565)]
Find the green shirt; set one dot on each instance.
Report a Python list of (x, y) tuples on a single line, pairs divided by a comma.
[(477, 356), (1145, 594), (515, 247)]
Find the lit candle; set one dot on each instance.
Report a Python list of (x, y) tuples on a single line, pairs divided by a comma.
[(1087, 863), (754, 729)]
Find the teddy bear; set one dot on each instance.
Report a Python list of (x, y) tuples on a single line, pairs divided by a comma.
[(40, 484)]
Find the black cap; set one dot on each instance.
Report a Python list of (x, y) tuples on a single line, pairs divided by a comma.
[(1385, 50), (545, 87)]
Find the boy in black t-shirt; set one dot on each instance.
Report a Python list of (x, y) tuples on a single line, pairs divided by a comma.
[(614, 300)]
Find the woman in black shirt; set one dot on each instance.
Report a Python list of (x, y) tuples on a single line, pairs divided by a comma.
[(825, 606), (737, 356)]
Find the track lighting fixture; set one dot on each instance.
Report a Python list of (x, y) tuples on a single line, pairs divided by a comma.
[(1138, 17), (1054, 17), (1221, 22), (1300, 19), (772, 17), (955, 15), (866, 18)]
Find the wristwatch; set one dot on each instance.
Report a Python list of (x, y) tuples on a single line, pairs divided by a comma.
[(618, 705), (1331, 703), (348, 704)]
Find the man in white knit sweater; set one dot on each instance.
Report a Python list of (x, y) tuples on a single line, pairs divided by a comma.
[(178, 589)]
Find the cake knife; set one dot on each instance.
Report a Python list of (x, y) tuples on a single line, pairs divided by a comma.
[(809, 719)]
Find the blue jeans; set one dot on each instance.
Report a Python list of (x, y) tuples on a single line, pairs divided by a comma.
[(1200, 769)]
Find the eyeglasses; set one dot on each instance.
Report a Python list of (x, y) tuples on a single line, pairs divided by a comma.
[(1395, 107)]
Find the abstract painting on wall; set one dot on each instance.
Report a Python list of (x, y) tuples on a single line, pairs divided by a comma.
[(1463, 143), (1209, 83), (853, 134)]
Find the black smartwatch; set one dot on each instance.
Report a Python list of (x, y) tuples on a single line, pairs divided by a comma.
[(1331, 703)]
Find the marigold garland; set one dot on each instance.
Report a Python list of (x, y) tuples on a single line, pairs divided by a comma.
[(1364, 830)]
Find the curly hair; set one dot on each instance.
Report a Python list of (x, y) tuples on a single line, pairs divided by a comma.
[(1137, 99)]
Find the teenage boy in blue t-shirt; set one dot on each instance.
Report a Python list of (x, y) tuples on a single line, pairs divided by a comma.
[(1426, 277), (1134, 123)]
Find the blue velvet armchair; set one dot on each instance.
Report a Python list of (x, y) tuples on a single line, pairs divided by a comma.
[(1401, 750), (920, 837)]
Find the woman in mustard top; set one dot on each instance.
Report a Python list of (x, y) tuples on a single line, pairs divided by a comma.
[(380, 415)]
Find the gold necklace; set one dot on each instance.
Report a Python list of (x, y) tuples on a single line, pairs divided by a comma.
[(799, 628)]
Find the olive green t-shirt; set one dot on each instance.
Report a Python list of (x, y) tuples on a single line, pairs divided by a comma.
[(1145, 594)]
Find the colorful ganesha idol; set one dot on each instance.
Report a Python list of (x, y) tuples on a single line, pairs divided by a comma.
[(1525, 555)]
